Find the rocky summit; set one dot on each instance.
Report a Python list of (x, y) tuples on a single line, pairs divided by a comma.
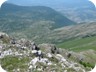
[(26, 56)]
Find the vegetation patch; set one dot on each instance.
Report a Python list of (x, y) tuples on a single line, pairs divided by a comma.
[(12, 62), (86, 64), (79, 44)]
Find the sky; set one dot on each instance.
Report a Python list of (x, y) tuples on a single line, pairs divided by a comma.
[(29, 2)]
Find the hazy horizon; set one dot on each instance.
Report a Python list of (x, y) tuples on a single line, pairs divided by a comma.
[(44, 2)]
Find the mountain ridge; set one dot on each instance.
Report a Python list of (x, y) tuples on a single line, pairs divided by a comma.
[(40, 12), (31, 22)]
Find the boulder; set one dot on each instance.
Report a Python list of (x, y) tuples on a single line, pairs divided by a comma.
[(4, 37)]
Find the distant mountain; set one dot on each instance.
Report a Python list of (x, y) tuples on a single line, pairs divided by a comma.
[(34, 13), (54, 3), (77, 10), (31, 22), (41, 24), (80, 31)]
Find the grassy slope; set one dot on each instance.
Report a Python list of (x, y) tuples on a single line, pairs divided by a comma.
[(79, 44)]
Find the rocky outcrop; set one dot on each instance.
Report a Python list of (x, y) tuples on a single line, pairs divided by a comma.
[(4, 37), (26, 56)]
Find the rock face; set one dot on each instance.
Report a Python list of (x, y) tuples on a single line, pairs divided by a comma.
[(4, 37), (26, 56)]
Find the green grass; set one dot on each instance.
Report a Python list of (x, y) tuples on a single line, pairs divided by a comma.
[(11, 62), (86, 64), (79, 44)]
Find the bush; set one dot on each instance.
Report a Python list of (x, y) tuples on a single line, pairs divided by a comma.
[(86, 64)]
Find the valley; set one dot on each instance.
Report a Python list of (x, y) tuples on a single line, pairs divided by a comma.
[(48, 37)]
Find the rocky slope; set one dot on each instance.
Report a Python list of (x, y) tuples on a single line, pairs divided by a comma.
[(26, 56), (83, 30)]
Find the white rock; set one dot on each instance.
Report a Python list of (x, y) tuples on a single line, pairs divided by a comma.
[(18, 69), (24, 47), (33, 47), (49, 55), (1, 33), (71, 66), (34, 51), (39, 52), (63, 65), (18, 45), (49, 63), (63, 60), (34, 61), (1, 46), (60, 57), (39, 69), (44, 60), (5, 53), (67, 63), (65, 70), (30, 67)]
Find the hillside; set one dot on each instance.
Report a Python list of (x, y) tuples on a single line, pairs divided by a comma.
[(76, 10), (63, 34), (79, 45), (25, 56), (30, 15), (41, 24), (41, 39), (31, 22)]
